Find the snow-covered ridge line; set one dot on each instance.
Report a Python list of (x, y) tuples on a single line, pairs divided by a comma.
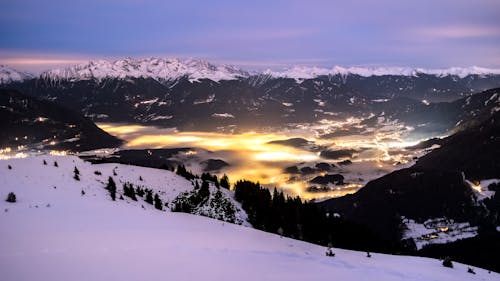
[(169, 69), (309, 72), (8, 75), (156, 68)]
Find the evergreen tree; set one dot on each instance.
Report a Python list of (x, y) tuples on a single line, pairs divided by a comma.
[(11, 197), (204, 191), (158, 202), (216, 181), (128, 190), (149, 197), (329, 252), (447, 262), (111, 187), (139, 191), (76, 174), (181, 171), (224, 182)]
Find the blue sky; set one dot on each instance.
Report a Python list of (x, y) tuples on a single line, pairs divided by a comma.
[(37, 34)]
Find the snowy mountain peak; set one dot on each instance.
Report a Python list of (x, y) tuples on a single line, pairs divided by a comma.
[(169, 69), (162, 69), (308, 72), (8, 75)]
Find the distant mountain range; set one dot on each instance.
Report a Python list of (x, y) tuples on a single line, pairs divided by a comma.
[(168, 69), (9, 75), (198, 95)]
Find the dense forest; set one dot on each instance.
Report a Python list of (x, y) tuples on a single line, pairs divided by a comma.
[(292, 217)]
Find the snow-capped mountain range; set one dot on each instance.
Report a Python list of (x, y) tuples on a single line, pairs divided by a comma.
[(307, 72), (8, 75), (168, 69), (157, 68)]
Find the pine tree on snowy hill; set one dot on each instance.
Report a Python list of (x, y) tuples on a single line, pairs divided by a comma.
[(139, 191), (224, 182), (329, 252), (111, 187), (204, 191), (447, 262), (181, 171), (158, 202), (76, 175), (128, 190), (149, 197), (11, 197)]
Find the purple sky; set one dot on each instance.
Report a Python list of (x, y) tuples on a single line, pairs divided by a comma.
[(36, 35)]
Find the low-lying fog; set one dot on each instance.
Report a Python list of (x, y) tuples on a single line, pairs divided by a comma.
[(302, 159)]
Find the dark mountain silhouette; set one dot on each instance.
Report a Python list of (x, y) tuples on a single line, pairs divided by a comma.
[(43, 124), (433, 187)]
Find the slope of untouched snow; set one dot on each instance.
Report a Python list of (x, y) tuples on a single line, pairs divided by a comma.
[(162, 69), (58, 234), (31, 171), (8, 75), (306, 72)]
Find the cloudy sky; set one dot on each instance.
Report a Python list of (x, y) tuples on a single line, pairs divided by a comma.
[(35, 34)]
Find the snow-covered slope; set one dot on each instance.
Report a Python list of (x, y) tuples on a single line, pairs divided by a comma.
[(162, 69), (32, 171), (53, 232), (306, 72), (9, 75)]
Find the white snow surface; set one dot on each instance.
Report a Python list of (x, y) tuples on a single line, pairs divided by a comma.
[(9, 75), (162, 69), (58, 234)]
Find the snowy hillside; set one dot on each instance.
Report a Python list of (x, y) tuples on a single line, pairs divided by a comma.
[(58, 173), (8, 75), (161, 69), (53, 232)]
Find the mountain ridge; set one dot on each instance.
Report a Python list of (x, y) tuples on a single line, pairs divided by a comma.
[(171, 68)]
